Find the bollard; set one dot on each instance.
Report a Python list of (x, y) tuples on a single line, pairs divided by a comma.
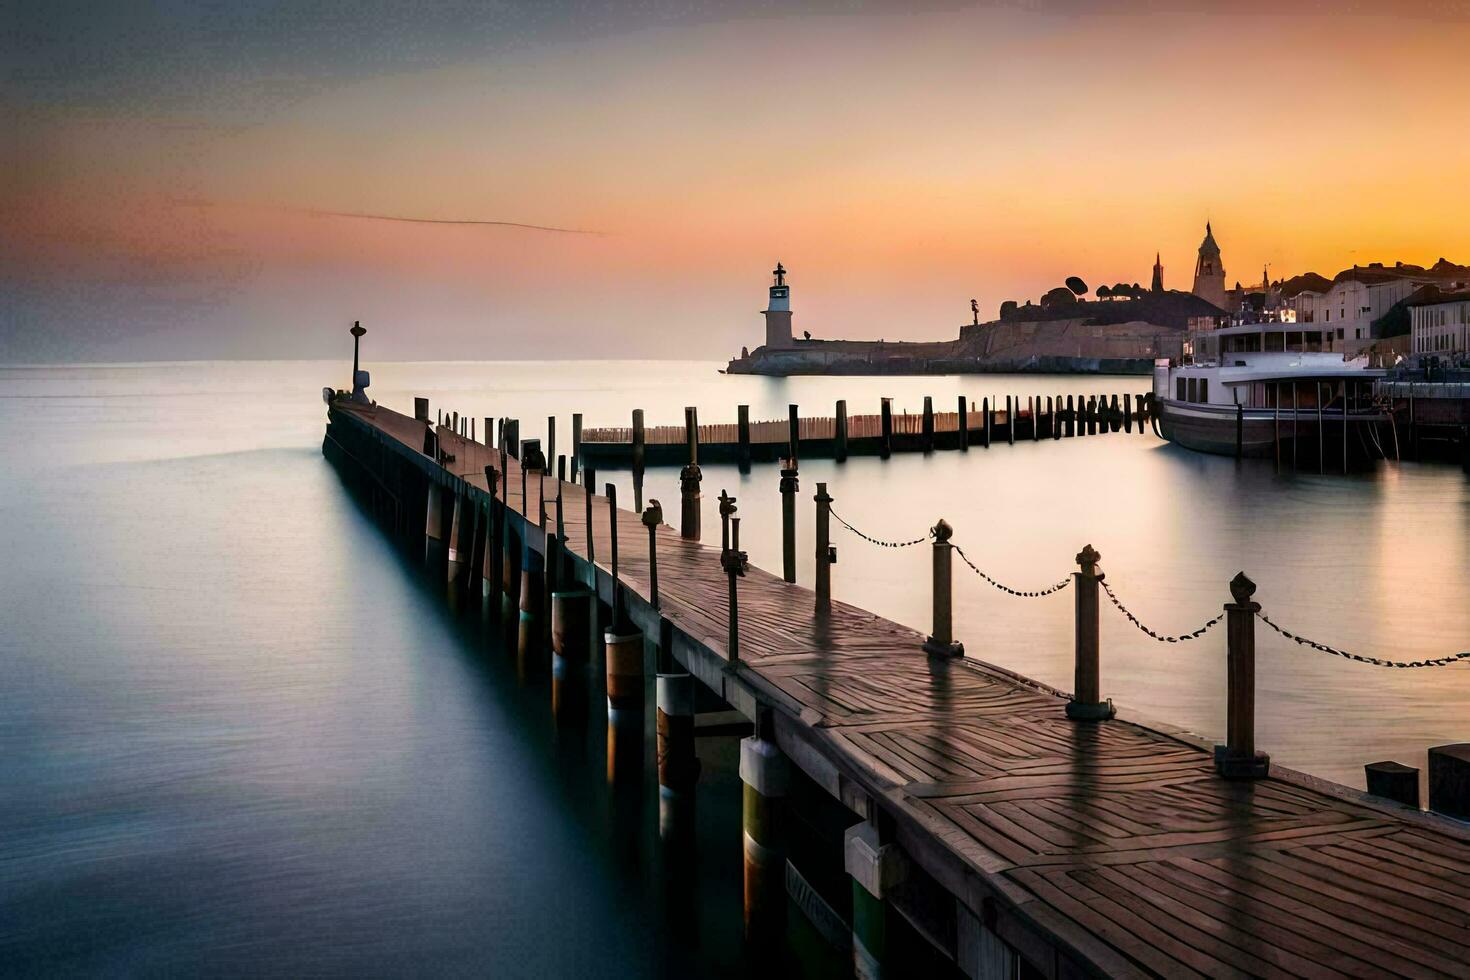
[(789, 486), (678, 766), (941, 641), (826, 554), (742, 434), (1238, 758), (885, 408), (421, 409), (689, 478), (964, 425), (1087, 703), (928, 430), (1393, 781), (839, 445), (765, 771), (1449, 780), (653, 516)]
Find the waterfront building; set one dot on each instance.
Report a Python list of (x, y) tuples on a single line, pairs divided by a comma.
[(1440, 322), (1358, 297), (1209, 271)]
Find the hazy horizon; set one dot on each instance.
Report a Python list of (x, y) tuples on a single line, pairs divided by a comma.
[(242, 183)]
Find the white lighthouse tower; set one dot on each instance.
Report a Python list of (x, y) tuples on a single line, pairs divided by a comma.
[(778, 312)]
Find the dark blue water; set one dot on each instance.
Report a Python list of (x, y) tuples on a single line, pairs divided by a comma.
[(239, 734)]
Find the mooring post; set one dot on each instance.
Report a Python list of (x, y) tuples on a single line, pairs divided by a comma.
[(1393, 781), (826, 553), (421, 409), (638, 459), (793, 433), (734, 562), (653, 516), (689, 478), (1449, 780), (789, 486), (742, 434), (985, 422), (576, 445), (941, 642), (1238, 758), (839, 444), (928, 424), (964, 425), (1087, 703), (885, 409), (765, 771)]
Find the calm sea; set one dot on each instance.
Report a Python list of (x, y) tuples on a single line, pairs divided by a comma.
[(239, 735)]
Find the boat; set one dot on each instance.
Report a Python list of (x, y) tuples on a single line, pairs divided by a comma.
[(1271, 388)]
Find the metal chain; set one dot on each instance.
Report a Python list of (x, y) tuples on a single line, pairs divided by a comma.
[(1049, 590), (1441, 662), (878, 541), (1181, 638)]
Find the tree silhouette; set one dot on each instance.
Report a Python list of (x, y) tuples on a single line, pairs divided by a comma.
[(1103, 292), (1077, 286)]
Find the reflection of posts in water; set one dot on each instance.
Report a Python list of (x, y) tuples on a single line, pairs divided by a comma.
[(765, 771), (571, 634), (624, 754), (678, 765)]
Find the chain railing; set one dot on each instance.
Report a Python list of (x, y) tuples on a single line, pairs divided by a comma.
[(1020, 593), (1161, 637), (879, 541), (1361, 658)]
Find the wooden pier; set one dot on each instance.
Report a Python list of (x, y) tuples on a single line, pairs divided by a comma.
[(839, 435), (1017, 840)]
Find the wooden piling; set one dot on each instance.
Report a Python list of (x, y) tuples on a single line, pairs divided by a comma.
[(1071, 419), (793, 434), (985, 422), (638, 453), (928, 424), (742, 434), (885, 408), (678, 766), (1238, 757), (839, 448), (964, 425), (689, 479), (789, 486), (551, 437), (589, 485), (1011, 420), (576, 444), (826, 554), (765, 771)]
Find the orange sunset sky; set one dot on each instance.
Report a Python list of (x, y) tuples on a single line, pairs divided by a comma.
[(176, 182)]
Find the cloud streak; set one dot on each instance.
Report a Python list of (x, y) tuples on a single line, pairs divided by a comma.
[(446, 221)]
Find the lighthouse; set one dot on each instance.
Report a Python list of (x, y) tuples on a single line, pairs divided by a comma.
[(778, 312)]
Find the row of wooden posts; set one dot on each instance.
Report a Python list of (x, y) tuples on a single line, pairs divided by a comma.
[(1237, 758)]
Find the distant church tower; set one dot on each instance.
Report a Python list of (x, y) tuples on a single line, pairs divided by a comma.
[(778, 311), (1158, 286), (1209, 272)]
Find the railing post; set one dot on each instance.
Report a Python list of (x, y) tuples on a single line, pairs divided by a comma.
[(734, 561), (1238, 758), (653, 516), (789, 486), (689, 479), (826, 554), (941, 642), (1087, 703)]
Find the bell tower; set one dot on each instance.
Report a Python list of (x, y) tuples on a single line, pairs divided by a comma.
[(778, 311), (1209, 271)]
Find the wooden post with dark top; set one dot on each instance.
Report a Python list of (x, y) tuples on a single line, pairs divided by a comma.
[(576, 444), (589, 484), (1071, 419), (1238, 758), (1011, 420), (742, 434), (941, 642), (964, 425), (689, 478), (839, 445), (1035, 402), (638, 459), (1116, 422), (734, 562), (793, 433), (928, 430), (551, 437), (1140, 409), (493, 536), (985, 422), (886, 410), (489, 431), (1393, 781), (1127, 413), (826, 554), (653, 516), (1087, 703), (789, 486), (421, 409)]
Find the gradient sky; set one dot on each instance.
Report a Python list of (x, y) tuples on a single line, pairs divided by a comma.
[(188, 180)]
